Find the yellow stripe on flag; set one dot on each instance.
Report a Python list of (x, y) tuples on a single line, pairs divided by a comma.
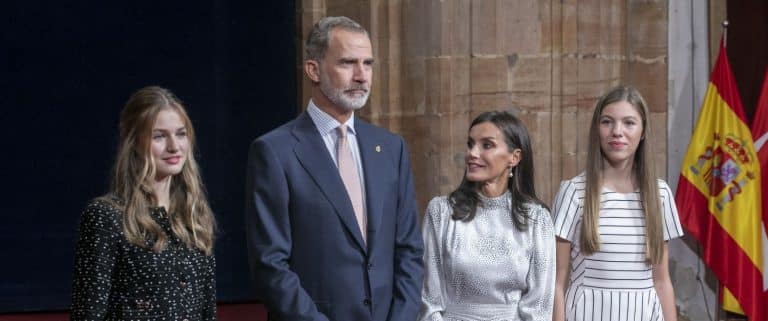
[(730, 303), (733, 187)]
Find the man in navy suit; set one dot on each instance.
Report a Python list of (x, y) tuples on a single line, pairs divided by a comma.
[(331, 214)]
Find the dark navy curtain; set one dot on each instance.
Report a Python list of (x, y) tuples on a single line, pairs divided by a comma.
[(68, 67)]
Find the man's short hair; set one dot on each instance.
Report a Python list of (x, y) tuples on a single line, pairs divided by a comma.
[(317, 41)]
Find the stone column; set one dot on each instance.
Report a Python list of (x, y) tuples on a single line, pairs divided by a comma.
[(442, 62)]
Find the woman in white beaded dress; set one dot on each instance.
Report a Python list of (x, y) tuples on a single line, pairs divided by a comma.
[(489, 245), (613, 222)]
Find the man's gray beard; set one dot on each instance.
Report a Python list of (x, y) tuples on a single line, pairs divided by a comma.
[(338, 98)]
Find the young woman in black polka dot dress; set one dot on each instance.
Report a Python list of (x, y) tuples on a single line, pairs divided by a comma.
[(145, 250)]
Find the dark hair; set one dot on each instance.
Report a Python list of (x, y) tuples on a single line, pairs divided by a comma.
[(317, 41), (464, 200)]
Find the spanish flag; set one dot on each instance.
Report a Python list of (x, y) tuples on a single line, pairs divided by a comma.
[(718, 195)]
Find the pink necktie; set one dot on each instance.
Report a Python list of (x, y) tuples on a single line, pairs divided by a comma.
[(348, 171)]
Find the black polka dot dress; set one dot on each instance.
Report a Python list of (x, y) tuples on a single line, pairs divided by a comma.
[(116, 280)]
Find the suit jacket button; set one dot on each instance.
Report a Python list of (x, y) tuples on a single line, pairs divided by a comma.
[(367, 302)]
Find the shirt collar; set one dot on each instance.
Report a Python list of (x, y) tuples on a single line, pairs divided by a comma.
[(324, 122)]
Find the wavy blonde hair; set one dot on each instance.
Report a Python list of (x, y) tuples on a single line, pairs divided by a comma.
[(134, 170), (643, 171)]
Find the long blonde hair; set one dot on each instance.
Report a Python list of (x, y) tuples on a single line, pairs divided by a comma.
[(134, 170), (643, 172)]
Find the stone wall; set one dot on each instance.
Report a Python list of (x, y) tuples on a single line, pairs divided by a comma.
[(439, 63)]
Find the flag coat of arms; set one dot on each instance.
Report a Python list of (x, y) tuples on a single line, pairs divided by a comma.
[(719, 194)]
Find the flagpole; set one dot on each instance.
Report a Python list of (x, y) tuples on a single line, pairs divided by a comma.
[(720, 288), (721, 313)]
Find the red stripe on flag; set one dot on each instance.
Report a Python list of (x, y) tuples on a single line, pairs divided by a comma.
[(723, 79), (760, 123), (719, 251), (760, 128), (762, 155)]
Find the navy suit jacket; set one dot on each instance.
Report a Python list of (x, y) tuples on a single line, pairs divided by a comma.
[(306, 252)]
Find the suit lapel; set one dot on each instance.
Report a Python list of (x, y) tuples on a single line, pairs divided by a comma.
[(313, 156), (372, 157)]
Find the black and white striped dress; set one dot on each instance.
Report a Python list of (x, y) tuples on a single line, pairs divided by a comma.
[(614, 283)]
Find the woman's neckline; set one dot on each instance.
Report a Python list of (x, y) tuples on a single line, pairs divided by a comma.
[(606, 189)]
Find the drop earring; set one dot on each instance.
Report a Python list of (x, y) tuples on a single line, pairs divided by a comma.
[(510, 172)]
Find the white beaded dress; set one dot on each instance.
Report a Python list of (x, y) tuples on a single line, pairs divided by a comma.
[(486, 269)]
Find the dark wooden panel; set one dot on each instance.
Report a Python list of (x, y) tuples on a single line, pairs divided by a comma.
[(748, 48)]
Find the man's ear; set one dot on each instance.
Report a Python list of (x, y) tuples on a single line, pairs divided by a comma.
[(312, 69)]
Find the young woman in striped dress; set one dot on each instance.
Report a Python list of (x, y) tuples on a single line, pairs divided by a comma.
[(613, 222)]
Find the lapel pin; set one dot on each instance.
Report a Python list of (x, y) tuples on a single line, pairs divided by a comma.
[(378, 148)]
